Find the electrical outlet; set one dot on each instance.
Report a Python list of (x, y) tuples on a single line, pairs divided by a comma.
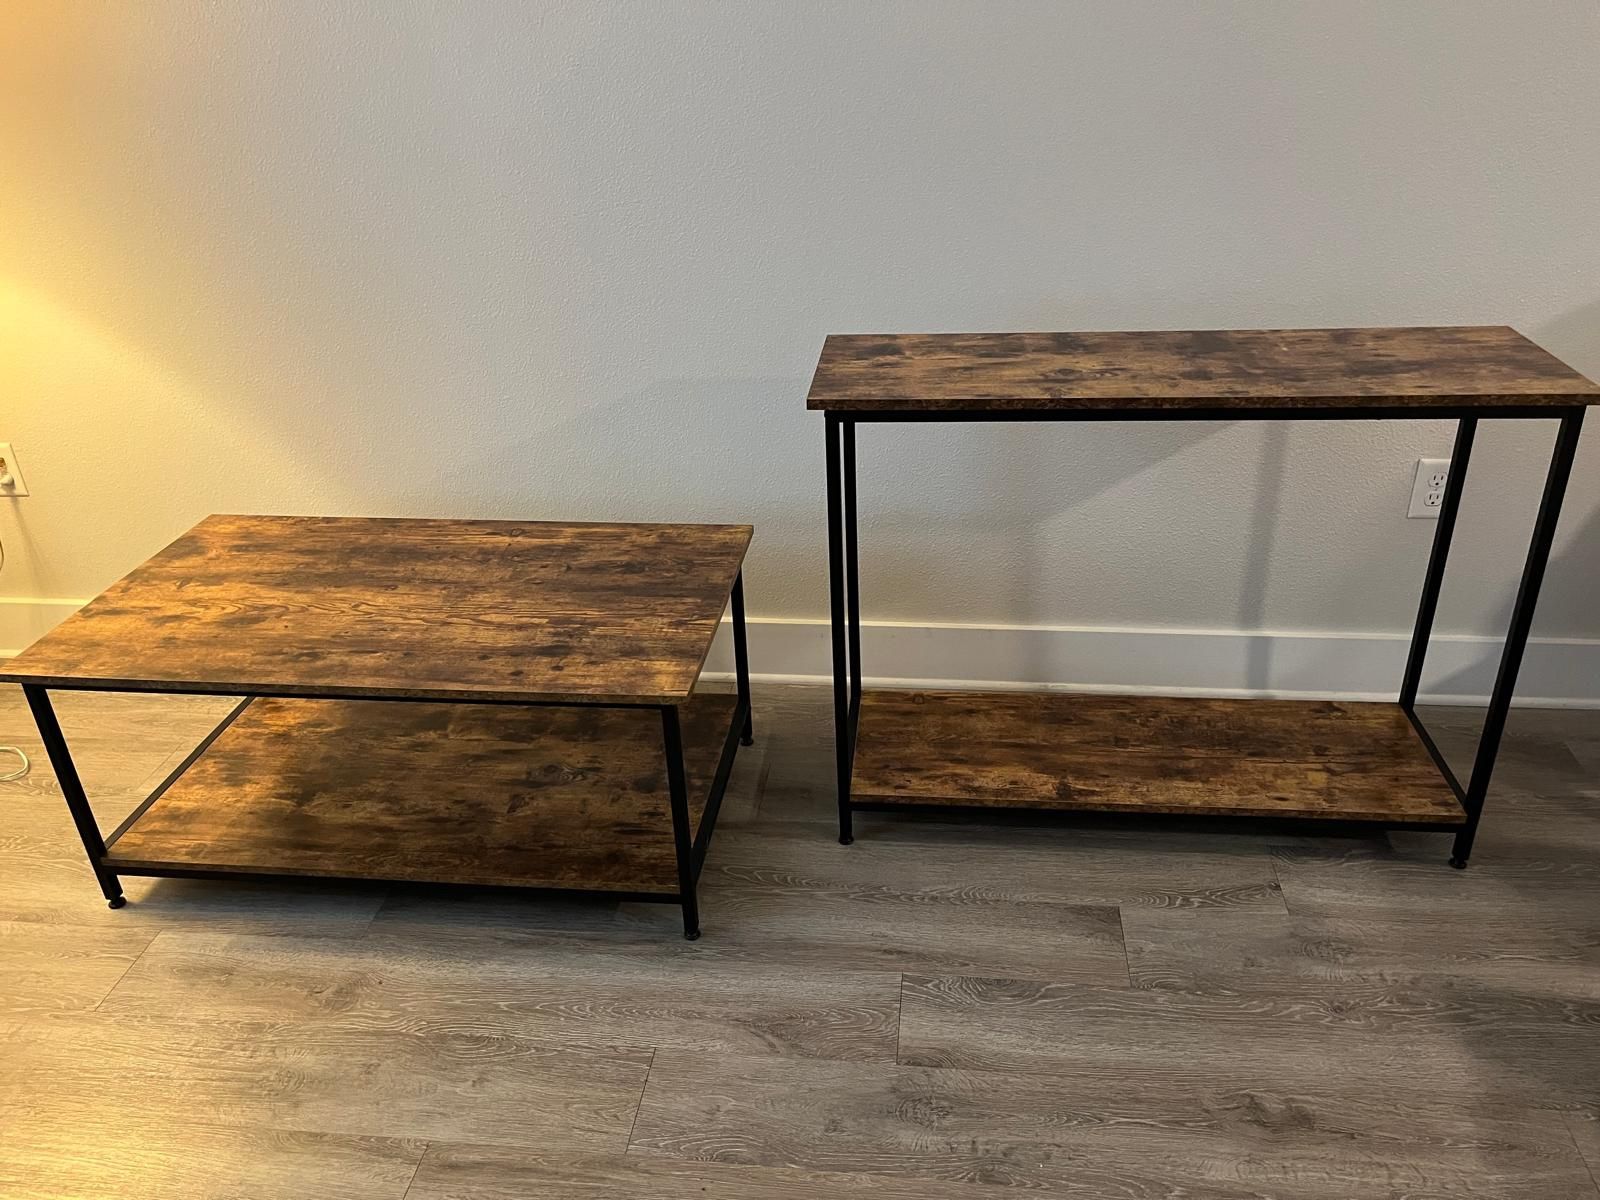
[(1427, 489), (11, 481)]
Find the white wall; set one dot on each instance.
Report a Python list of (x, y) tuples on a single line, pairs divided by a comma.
[(576, 260)]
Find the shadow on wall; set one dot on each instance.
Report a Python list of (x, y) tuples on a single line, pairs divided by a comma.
[(1580, 561), (690, 440), (113, 401), (1021, 459), (1258, 552), (677, 450), (1003, 487), (1575, 338)]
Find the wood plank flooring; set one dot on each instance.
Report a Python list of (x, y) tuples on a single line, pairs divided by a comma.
[(1100, 1133), (943, 1010)]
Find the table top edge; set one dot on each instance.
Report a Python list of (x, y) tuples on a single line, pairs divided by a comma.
[(1539, 378)]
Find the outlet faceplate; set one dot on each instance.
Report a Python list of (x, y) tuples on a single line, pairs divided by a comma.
[(1427, 489), (18, 486)]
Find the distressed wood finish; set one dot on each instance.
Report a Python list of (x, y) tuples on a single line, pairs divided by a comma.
[(125, 746), (1427, 367), (441, 793), (1241, 758), (425, 609)]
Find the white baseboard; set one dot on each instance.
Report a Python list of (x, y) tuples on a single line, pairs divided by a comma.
[(1556, 672), (24, 620)]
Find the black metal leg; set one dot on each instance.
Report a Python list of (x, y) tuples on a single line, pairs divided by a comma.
[(682, 835), (1466, 429), (1505, 683), (741, 661), (55, 745), (836, 588), (852, 577)]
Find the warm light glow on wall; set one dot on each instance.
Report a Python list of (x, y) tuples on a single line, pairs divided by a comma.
[(112, 438), (51, 357)]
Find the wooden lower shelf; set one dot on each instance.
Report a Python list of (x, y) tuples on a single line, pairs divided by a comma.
[(443, 793), (1201, 757)]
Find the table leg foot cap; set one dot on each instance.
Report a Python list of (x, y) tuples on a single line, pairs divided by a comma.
[(845, 839), (1459, 864), (119, 902), (747, 740), (691, 935)]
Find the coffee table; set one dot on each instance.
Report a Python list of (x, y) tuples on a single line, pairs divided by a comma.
[(489, 703)]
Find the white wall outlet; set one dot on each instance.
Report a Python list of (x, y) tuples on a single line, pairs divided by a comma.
[(11, 481), (1427, 490)]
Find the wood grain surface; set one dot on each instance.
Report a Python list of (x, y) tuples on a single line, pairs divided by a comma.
[(340, 1077), (1100, 1134), (440, 793), (1429, 367), (932, 1013), (1347, 1035), (1118, 868), (46, 1157), (451, 1172), (620, 993), (781, 920), (1217, 951), (429, 609), (1584, 1125), (48, 973), (1051, 750), (1549, 857)]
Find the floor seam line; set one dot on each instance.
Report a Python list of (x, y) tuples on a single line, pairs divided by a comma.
[(383, 902), (137, 960), (638, 1106), (427, 1149), (763, 777), (1566, 1123), (899, 1017), (1283, 896), (1127, 959)]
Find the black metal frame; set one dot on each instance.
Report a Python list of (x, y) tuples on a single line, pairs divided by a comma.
[(845, 582), (689, 843)]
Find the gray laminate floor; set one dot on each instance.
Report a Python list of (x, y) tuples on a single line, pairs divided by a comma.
[(940, 1010)]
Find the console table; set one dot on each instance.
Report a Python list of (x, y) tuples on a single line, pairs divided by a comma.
[(491, 703), (1300, 760)]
